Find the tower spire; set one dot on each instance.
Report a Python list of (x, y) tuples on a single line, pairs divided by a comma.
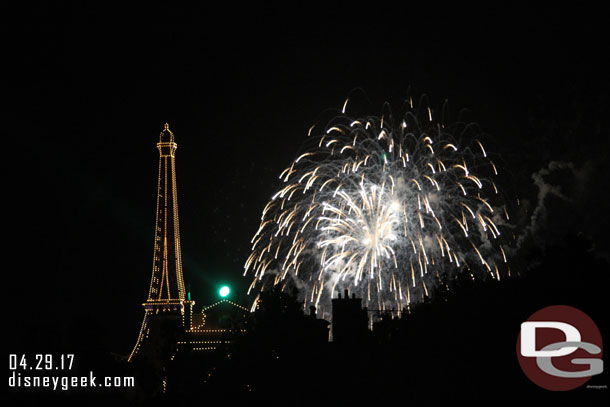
[(167, 282), (166, 295), (167, 131)]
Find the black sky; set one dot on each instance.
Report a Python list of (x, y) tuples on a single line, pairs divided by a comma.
[(88, 89)]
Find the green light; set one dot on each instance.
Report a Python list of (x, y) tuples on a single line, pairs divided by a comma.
[(224, 291)]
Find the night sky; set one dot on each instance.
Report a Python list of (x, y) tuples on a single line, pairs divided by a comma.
[(88, 89)]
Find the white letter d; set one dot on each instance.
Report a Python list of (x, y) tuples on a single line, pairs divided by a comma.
[(528, 338)]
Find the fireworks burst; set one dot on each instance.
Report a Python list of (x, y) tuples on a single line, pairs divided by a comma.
[(385, 208)]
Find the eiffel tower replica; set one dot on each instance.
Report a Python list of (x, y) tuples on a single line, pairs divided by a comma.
[(168, 309)]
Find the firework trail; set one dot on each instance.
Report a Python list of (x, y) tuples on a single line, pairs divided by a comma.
[(386, 208)]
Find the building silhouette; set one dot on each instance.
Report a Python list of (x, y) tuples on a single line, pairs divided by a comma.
[(349, 320), (215, 327)]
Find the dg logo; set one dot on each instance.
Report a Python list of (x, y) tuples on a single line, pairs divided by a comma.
[(560, 348)]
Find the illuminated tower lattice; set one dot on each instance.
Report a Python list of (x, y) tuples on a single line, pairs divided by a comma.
[(167, 310)]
